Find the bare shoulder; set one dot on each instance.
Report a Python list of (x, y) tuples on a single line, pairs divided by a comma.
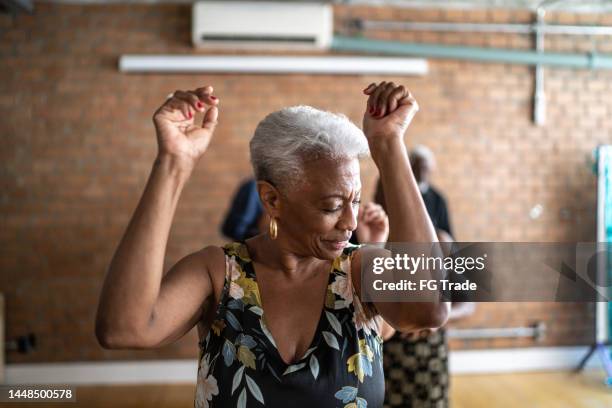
[(212, 258), (211, 255)]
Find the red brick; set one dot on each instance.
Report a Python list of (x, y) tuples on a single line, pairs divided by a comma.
[(79, 142)]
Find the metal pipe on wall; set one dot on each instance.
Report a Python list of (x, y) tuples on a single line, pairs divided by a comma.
[(556, 29), (500, 55), (539, 95), (537, 332)]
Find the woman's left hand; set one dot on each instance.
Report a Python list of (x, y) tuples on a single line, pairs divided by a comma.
[(372, 224), (389, 111)]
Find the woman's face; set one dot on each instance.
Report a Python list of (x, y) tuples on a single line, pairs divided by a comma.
[(318, 216)]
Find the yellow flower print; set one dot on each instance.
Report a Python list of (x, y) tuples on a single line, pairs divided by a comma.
[(246, 357), (365, 349), (330, 299), (337, 265), (217, 327), (361, 363), (241, 287), (250, 290), (238, 249)]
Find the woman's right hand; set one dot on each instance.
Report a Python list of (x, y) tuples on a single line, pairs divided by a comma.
[(178, 137), (389, 111)]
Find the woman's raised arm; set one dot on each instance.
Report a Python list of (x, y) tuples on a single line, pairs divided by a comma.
[(389, 111), (140, 307)]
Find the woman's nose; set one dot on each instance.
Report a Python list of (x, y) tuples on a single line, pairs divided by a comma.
[(348, 220)]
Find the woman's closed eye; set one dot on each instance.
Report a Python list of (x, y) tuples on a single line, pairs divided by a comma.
[(355, 203)]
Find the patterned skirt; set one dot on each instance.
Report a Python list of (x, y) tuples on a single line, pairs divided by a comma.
[(416, 371)]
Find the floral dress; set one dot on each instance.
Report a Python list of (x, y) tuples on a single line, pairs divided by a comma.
[(240, 366)]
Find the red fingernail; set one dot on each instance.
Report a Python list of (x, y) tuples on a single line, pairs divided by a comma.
[(213, 97), (190, 115), (200, 104)]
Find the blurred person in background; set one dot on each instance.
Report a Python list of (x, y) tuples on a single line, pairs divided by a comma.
[(423, 163), (245, 217)]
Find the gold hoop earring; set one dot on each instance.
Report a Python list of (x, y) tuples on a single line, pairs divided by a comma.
[(273, 228)]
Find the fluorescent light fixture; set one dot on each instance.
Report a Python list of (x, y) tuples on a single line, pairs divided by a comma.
[(354, 65)]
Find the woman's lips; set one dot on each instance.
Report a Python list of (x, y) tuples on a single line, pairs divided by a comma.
[(336, 245)]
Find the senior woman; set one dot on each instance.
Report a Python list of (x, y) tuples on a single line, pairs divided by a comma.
[(279, 316)]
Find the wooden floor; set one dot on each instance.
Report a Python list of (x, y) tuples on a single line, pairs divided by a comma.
[(555, 390), (527, 390)]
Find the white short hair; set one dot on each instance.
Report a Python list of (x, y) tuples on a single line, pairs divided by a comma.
[(424, 153), (285, 139)]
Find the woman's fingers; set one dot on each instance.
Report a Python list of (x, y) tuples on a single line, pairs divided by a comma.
[(187, 103), (367, 209), (190, 102), (368, 90), (408, 99), (376, 217), (174, 122), (208, 90), (368, 206), (371, 104), (371, 90), (375, 99), (175, 102), (409, 107), (373, 213), (396, 94), (210, 118), (383, 98), (206, 95)]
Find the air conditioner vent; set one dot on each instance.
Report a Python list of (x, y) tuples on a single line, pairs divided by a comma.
[(262, 25)]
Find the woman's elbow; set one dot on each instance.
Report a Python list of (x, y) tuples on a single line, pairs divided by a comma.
[(437, 316), (109, 339), (114, 339), (426, 316), (105, 337)]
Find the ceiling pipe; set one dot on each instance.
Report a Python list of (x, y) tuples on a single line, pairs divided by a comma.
[(539, 95), (495, 55), (481, 27)]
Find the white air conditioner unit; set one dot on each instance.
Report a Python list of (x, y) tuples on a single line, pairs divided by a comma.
[(262, 25)]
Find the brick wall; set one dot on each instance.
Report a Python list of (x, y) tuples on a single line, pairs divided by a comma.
[(78, 143)]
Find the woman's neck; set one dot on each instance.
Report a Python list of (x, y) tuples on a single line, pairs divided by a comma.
[(278, 255)]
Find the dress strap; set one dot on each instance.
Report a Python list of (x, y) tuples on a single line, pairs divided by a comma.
[(230, 251)]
